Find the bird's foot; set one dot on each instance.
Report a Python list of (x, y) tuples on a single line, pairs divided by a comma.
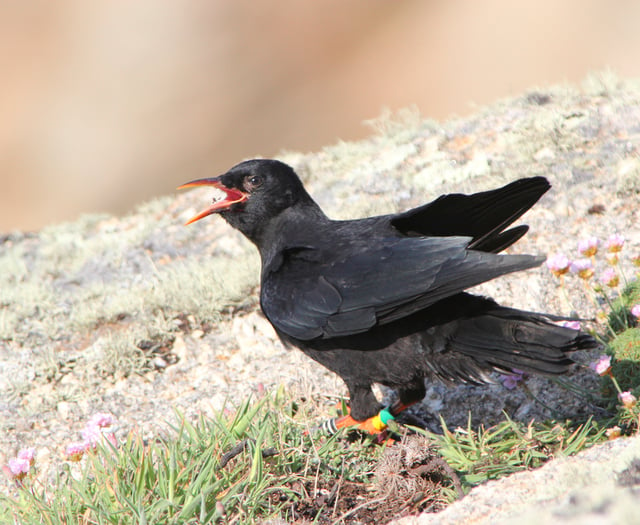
[(376, 425)]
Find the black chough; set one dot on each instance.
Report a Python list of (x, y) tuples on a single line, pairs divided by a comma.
[(382, 299)]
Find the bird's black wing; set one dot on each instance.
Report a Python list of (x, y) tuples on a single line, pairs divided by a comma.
[(311, 292), (482, 216)]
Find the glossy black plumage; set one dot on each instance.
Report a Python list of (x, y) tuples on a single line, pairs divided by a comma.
[(382, 299)]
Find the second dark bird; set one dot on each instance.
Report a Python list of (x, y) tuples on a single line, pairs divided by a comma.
[(382, 299)]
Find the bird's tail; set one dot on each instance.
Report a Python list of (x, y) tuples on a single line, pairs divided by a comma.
[(505, 339)]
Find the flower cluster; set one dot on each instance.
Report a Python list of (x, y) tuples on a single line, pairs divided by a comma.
[(615, 243), (610, 278), (604, 282), (558, 264), (602, 366), (610, 281), (628, 399), (21, 465), (584, 266), (589, 247), (100, 425)]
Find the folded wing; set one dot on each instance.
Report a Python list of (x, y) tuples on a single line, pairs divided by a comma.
[(332, 293)]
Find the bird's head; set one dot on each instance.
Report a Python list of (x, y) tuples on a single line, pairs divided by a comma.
[(255, 191)]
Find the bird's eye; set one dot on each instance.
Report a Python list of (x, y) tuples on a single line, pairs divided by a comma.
[(251, 182)]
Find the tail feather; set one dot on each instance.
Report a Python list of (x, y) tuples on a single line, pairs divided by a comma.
[(505, 339)]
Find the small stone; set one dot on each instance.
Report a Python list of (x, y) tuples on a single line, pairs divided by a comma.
[(64, 409), (545, 153), (179, 348), (159, 363)]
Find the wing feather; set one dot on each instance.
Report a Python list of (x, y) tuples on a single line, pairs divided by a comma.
[(374, 284), (482, 216)]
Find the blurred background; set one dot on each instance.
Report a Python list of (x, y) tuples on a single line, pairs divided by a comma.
[(104, 104)]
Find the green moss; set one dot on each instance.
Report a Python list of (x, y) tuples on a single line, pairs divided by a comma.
[(620, 317), (119, 355), (625, 348), (204, 289), (627, 345)]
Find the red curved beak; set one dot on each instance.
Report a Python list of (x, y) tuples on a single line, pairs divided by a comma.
[(232, 196)]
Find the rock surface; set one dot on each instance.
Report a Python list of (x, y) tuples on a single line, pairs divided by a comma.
[(596, 487), (139, 315)]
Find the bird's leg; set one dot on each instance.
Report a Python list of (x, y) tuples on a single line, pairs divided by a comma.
[(373, 425), (363, 409), (364, 400), (409, 395), (378, 423), (399, 407)]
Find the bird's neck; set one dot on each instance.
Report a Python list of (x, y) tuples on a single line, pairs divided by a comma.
[(291, 223)]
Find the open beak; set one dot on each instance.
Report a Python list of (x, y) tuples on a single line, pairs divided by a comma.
[(232, 196)]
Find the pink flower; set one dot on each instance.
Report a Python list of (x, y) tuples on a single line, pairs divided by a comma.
[(602, 366), (613, 433), (583, 267), (29, 454), (610, 278), (558, 264), (635, 311), (75, 451), (97, 427), (588, 247), (91, 435), (574, 325), (615, 243), (510, 381), (628, 399), (19, 467), (101, 420)]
